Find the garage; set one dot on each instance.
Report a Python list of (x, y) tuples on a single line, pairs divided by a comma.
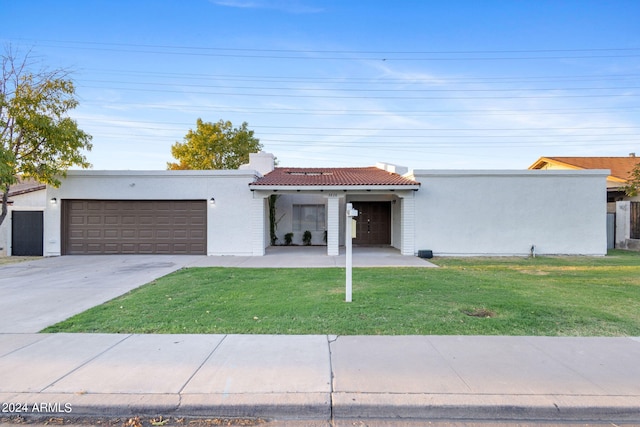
[(134, 227)]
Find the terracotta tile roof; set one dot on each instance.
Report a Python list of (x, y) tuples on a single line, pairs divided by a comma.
[(369, 176), (620, 166)]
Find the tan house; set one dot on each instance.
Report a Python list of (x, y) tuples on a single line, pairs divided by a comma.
[(620, 168)]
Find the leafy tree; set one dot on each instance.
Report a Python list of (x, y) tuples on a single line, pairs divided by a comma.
[(37, 137), (633, 184), (214, 146)]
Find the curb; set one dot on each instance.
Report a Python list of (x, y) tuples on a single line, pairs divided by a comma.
[(336, 406), (313, 406), (486, 407)]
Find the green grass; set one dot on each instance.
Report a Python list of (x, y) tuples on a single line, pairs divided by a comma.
[(555, 296)]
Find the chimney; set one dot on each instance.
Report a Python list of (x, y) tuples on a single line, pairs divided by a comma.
[(261, 162)]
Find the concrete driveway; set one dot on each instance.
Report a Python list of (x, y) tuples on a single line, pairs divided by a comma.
[(39, 293)]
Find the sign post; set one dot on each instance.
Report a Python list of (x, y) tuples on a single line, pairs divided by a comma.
[(349, 234)]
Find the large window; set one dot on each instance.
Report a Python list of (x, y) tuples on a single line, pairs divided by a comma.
[(308, 217)]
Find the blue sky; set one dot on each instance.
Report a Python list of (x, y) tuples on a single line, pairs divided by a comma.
[(484, 84)]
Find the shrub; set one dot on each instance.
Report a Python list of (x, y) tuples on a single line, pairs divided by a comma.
[(306, 238), (288, 238)]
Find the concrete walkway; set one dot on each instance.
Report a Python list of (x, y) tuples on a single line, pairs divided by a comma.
[(323, 378), (316, 257)]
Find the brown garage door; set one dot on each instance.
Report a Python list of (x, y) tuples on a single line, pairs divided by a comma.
[(134, 227)]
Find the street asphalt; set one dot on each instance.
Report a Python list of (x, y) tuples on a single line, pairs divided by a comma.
[(324, 378)]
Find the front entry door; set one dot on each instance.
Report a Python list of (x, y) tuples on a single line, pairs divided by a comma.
[(373, 223)]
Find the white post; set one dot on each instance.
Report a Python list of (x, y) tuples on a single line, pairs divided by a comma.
[(623, 224), (333, 225), (348, 248), (258, 223)]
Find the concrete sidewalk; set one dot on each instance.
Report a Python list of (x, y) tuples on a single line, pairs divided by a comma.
[(318, 377), (315, 257)]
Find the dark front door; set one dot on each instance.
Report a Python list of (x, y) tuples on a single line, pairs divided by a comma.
[(26, 233), (373, 223)]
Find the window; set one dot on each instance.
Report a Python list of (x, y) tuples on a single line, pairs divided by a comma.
[(308, 217)]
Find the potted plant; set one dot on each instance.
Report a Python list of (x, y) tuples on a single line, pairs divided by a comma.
[(288, 238), (306, 238)]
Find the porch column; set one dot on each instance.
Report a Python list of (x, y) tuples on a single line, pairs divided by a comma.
[(623, 224), (408, 224), (258, 234), (333, 224)]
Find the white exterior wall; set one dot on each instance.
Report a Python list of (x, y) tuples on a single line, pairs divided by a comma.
[(506, 212), (333, 225), (396, 223), (228, 230), (32, 201), (623, 224), (409, 225), (259, 224), (623, 238)]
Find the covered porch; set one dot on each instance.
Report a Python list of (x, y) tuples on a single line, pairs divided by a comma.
[(298, 203)]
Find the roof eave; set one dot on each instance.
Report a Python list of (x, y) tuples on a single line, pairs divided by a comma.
[(407, 187), (617, 179), (26, 190), (539, 164)]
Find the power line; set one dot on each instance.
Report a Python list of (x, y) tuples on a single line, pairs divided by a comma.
[(368, 79), (414, 145), (282, 95), (379, 129), (311, 89), (342, 51), (262, 53), (303, 111)]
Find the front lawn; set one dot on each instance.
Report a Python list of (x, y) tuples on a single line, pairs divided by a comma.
[(574, 296)]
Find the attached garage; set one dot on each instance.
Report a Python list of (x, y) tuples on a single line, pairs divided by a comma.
[(134, 227)]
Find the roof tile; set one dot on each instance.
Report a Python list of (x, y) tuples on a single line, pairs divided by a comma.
[(620, 167), (367, 176)]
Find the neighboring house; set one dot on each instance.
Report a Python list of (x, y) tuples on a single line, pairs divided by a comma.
[(21, 233), (226, 212), (620, 168)]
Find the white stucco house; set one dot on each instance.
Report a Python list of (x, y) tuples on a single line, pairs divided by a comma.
[(227, 212)]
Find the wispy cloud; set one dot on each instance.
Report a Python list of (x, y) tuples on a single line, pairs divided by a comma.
[(288, 6)]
